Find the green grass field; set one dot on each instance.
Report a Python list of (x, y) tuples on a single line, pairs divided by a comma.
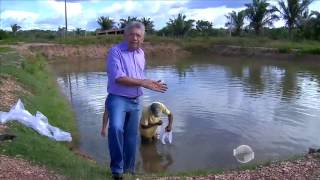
[(33, 74)]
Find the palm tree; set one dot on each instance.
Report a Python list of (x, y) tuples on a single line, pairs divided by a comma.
[(15, 28), (148, 24), (78, 31), (293, 10), (180, 26), (124, 22), (260, 15), (61, 31), (203, 26), (235, 21), (105, 23), (311, 26)]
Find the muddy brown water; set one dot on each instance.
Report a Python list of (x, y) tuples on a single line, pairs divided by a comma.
[(218, 103)]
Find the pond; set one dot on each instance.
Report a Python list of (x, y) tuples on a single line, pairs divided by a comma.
[(218, 103)]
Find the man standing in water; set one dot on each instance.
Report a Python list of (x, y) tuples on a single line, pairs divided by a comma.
[(125, 69), (151, 120)]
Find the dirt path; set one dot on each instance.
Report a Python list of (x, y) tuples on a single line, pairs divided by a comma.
[(307, 168), (16, 168)]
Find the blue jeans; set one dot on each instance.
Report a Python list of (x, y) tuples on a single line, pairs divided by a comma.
[(124, 115)]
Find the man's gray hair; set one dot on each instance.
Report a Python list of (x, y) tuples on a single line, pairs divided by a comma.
[(134, 24)]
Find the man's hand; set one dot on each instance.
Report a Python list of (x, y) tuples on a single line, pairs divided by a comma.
[(154, 85), (159, 123), (103, 132), (168, 128)]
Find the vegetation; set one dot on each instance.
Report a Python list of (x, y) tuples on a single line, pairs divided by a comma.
[(15, 28), (105, 23), (148, 23), (179, 26), (124, 22), (260, 15), (35, 77), (292, 12), (235, 21)]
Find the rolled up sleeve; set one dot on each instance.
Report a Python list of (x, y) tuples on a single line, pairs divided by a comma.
[(114, 66)]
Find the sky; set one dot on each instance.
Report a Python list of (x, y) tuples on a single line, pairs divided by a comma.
[(49, 14)]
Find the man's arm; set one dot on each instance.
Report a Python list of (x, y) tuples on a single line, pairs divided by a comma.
[(151, 125), (170, 119), (146, 83), (104, 123)]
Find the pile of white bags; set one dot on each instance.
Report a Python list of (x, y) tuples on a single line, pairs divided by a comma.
[(39, 122)]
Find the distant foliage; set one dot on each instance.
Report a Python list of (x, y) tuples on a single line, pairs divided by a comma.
[(235, 21), (3, 34), (124, 22), (294, 12), (179, 26), (15, 28), (105, 23), (148, 23), (260, 14)]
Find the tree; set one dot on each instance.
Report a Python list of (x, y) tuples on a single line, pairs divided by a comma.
[(292, 11), (105, 23), (78, 31), (235, 21), (148, 24), (61, 31), (204, 27), (260, 15), (124, 22), (311, 28), (180, 26), (15, 28)]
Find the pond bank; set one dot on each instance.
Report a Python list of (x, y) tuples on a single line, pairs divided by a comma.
[(306, 167), (170, 51)]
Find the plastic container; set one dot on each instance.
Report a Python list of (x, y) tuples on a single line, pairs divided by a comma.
[(243, 154)]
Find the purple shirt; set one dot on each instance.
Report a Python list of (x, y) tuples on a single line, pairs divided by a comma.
[(121, 62)]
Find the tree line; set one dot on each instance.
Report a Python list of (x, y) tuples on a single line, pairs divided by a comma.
[(260, 15), (257, 19)]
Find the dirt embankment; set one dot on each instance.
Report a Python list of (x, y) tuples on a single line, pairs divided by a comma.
[(162, 50), (54, 51)]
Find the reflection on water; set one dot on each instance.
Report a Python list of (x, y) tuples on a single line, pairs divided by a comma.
[(218, 104), (152, 159)]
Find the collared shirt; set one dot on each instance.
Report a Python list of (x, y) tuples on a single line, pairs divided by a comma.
[(122, 62), (148, 118)]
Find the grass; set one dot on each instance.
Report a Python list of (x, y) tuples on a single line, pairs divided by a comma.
[(34, 75)]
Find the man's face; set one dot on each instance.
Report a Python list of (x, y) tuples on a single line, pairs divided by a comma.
[(135, 38), (156, 112)]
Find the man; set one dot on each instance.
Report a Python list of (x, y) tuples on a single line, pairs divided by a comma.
[(151, 120), (125, 69)]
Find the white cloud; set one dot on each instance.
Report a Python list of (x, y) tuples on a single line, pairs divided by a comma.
[(19, 15), (24, 19), (216, 15), (113, 8), (315, 6), (73, 9), (84, 14)]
